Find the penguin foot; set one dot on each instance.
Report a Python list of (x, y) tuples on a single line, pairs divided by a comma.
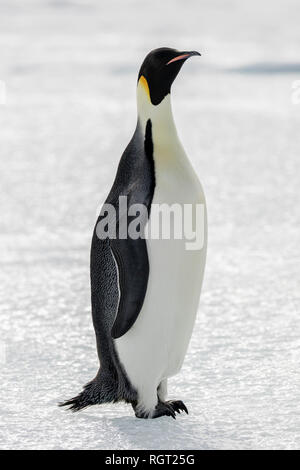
[(163, 408), (177, 406), (169, 408)]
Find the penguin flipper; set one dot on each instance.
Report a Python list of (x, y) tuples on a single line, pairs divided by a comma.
[(132, 261)]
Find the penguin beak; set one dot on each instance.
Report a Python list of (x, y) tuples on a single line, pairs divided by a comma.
[(183, 56)]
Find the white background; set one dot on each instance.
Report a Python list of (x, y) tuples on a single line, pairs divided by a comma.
[(70, 70)]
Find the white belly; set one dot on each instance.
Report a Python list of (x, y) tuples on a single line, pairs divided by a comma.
[(154, 348)]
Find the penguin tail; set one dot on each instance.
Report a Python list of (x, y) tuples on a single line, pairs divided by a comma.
[(95, 392)]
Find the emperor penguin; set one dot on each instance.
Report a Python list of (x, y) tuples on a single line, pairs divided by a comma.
[(145, 290)]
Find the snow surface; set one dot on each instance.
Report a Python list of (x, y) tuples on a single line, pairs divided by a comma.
[(70, 69)]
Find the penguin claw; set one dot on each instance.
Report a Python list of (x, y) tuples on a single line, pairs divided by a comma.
[(178, 406), (164, 409)]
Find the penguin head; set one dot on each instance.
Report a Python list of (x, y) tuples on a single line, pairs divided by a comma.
[(159, 70)]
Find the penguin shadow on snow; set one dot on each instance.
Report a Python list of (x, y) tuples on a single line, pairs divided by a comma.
[(160, 433)]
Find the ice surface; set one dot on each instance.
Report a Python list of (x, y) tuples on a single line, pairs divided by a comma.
[(70, 69)]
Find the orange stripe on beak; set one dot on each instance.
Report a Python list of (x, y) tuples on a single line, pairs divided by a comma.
[(179, 57)]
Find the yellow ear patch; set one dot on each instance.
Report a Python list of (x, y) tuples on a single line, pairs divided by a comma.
[(145, 85)]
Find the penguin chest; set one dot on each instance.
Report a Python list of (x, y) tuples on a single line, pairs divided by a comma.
[(176, 272)]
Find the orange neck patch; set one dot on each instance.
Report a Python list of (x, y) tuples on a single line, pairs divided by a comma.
[(145, 85)]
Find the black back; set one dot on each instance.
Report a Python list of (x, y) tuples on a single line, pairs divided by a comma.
[(120, 268)]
